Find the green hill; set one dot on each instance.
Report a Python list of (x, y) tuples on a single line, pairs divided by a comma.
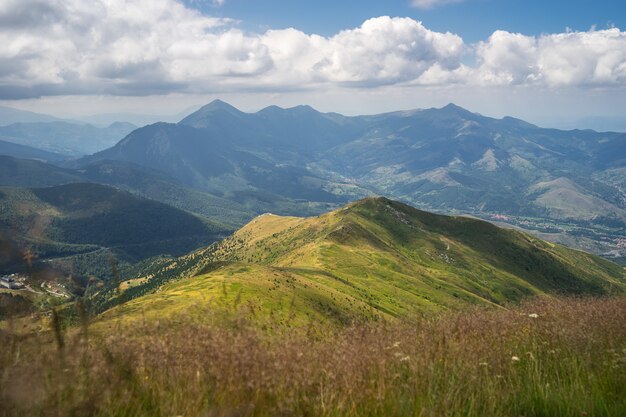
[(374, 258), (79, 226), (17, 172)]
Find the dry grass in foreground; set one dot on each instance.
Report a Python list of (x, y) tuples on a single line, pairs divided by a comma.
[(550, 357)]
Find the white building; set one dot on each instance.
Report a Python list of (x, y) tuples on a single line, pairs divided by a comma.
[(9, 281)]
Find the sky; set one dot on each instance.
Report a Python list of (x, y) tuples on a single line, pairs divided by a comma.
[(557, 63)]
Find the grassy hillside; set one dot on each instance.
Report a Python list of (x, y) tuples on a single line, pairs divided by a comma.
[(372, 259)]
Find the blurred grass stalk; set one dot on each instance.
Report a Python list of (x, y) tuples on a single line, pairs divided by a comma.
[(547, 357)]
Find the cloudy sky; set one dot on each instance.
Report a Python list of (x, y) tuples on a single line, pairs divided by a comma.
[(552, 64)]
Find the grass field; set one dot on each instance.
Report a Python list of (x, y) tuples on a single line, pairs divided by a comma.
[(546, 357)]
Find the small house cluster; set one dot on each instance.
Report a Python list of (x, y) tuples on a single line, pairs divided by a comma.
[(12, 282)]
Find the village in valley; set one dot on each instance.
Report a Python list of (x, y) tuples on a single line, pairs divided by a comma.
[(13, 282), (19, 282)]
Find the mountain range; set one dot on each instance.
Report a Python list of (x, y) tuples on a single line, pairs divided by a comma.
[(569, 184), (225, 166)]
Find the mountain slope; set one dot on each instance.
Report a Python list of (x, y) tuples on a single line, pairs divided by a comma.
[(160, 187), (17, 172), (232, 210), (373, 258), (565, 199), (489, 163), (65, 221), (221, 160)]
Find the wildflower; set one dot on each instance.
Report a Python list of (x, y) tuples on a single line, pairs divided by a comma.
[(533, 315), (483, 364), (405, 358), (515, 358)]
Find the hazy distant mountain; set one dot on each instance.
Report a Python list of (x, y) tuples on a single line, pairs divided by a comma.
[(106, 119), (599, 123), (66, 138), (232, 154), (10, 115), (450, 158), (22, 151), (276, 133)]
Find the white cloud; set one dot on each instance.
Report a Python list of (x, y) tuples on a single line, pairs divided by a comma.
[(506, 58), (152, 46), (76, 46), (383, 50), (117, 47), (565, 59), (429, 4)]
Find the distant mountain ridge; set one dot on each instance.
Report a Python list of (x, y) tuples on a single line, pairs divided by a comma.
[(27, 152), (65, 138), (9, 115), (409, 142)]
